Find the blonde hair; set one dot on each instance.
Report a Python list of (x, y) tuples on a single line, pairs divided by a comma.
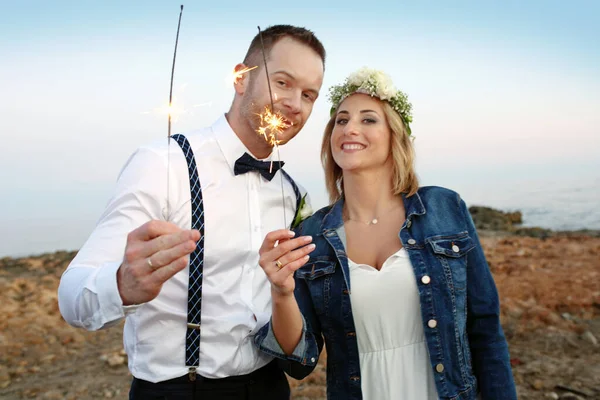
[(404, 177)]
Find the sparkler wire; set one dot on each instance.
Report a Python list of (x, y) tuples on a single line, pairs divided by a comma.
[(273, 112), (170, 105)]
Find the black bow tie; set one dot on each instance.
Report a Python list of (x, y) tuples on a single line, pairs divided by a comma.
[(248, 163)]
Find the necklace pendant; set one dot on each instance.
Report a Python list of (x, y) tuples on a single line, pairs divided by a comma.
[(374, 221)]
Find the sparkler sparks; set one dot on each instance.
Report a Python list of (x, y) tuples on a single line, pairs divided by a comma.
[(272, 126), (173, 111), (237, 75), (176, 110)]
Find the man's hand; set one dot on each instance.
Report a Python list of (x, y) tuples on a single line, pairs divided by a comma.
[(154, 253)]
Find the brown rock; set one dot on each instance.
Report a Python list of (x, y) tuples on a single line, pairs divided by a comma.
[(590, 338), (570, 396), (53, 395), (538, 384), (48, 358), (514, 311), (114, 360)]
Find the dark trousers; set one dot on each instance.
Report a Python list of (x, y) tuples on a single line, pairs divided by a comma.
[(266, 383)]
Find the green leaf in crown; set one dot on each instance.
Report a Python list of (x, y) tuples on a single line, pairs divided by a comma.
[(377, 84)]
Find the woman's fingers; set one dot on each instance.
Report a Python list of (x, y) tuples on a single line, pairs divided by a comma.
[(288, 246), (295, 255), (281, 256), (290, 268), (274, 237), (268, 260)]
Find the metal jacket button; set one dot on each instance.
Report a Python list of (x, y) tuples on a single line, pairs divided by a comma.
[(412, 241)]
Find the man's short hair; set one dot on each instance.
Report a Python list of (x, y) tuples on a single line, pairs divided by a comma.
[(275, 33)]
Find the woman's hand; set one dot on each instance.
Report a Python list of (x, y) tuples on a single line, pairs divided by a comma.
[(281, 256)]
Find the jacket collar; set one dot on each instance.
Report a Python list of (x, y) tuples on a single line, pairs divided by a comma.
[(333, 219)]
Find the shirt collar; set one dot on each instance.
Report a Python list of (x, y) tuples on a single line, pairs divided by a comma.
[(230, 144)]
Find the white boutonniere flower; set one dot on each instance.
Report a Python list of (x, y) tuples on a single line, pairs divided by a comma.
[(304, 211)]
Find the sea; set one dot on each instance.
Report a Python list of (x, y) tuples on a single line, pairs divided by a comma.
[(571, 203), (568, 203)]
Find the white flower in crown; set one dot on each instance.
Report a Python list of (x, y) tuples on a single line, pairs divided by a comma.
[(385, 86), (360, 76), (374, 83)]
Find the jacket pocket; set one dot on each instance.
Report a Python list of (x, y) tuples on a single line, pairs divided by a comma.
[(454, 246), (316, 268), (318, 274), (451, 251)]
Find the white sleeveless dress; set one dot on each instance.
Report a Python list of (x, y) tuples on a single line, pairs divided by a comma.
[(394, 360)]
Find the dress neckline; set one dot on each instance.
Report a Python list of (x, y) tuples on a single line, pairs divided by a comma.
[(401, 252)]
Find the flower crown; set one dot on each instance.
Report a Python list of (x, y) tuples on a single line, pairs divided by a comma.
[(376, 84)]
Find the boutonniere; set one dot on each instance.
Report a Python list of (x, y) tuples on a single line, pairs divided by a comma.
[(304, 211)]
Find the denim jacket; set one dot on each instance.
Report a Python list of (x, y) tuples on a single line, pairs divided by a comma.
[(467, 348)]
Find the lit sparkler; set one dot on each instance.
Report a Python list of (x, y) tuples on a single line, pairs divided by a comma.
[(272, 125)]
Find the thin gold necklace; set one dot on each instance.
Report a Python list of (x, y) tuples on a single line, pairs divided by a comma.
[(374, 221)]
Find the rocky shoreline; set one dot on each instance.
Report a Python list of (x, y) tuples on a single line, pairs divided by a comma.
[(492, 222), (549, 285)]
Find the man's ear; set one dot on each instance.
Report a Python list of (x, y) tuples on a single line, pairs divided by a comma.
[(241, 79)]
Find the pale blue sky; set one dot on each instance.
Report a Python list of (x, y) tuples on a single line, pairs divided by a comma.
[(502, 92)]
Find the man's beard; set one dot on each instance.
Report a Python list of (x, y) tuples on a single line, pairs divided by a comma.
[(251, 113), (251, 110)]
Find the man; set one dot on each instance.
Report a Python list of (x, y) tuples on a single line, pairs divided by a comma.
[(190, 329)]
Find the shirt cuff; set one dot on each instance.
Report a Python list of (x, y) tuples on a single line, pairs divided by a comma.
[(111, 304)]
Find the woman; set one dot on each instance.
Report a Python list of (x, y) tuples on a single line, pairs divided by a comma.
[(396, 284)]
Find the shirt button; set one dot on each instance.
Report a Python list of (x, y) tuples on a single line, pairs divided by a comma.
[(426, 279), (439, 368), (412, 241), (355, 378), (312, 359), (432, 323), (351, 334), (455, 248)]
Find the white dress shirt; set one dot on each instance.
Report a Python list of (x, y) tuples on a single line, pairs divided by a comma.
[(239, 212)]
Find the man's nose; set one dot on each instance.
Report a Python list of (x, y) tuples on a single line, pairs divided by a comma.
[(293, 102)]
